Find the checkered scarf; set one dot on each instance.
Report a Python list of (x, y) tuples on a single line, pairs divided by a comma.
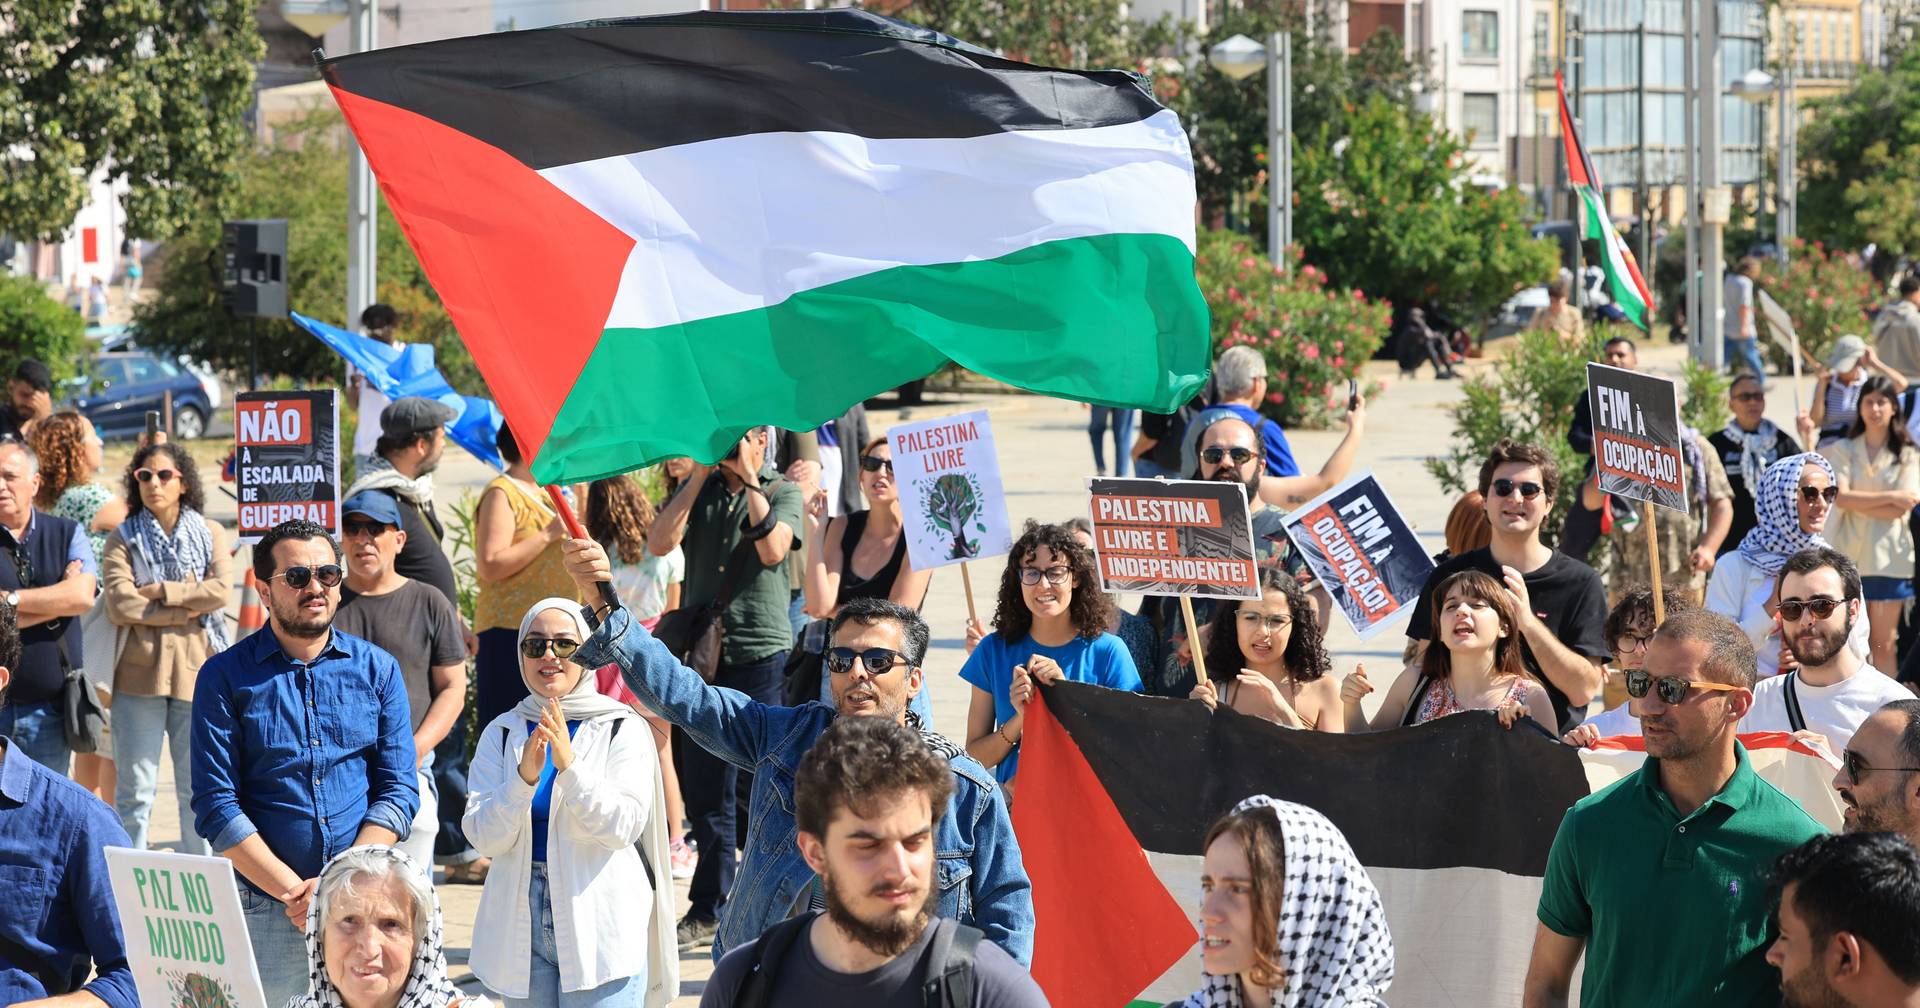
[(186, 554), (1776, 533), (427, 982)]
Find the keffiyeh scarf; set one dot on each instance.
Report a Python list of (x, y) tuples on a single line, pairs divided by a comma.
[(1334, 943), (1757, 449), (427, 982), (187, 554), (1776, 534)]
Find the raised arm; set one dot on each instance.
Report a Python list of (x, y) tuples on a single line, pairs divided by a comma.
[(1290, 490)]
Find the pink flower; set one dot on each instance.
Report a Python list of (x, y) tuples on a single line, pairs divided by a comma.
[(1273, 334), (1340, 363), (1310, 352)]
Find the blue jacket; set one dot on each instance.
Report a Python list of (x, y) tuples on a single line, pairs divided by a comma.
[(979, 872)]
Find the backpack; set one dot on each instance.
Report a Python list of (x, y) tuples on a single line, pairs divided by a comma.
[(949, 980)]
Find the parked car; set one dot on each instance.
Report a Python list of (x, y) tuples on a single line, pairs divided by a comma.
[(122, 385)]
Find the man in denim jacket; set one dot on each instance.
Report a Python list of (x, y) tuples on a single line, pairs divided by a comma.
[(981, 878)]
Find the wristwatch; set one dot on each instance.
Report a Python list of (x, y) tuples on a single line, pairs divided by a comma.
[(12, 599)]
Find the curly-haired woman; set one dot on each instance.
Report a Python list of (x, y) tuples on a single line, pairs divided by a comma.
[(1050, 623), (1265, 658)]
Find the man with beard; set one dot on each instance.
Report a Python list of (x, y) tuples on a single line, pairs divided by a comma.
[(1849, 911), (868, 798), (1692, 833), (1879, 778), (1560, 601), (873, 666), (302, 748), (1833, 690)]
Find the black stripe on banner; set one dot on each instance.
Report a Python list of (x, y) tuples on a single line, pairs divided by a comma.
[(564, 95), (1456, 792)]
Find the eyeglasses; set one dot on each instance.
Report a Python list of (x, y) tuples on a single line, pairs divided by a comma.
[(300, 577), (535, 647), (1856, 766), (877, 660), (1272, 623), (1792, 609), (1628, 643), (1811, 494), (145, 475), (371, 530), (1749, 397), (1672, 689), (1212, 456), (1054, 575), (874, 463), (1505, 488)]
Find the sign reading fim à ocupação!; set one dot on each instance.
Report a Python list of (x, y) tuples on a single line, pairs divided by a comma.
[(287, 459), (1364, 553), (1636, 436), (1173, 537)]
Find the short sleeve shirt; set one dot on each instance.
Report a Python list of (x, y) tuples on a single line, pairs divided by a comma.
[(1738, 293), (416, 625), (803, 981), (1102, 661), (755, 620), (79, 503)]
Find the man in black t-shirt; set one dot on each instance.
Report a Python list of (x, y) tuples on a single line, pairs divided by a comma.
[(1561, 601)]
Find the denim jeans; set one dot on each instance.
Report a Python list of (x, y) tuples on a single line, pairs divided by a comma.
[(450, 846), (279, 948), (1743, 355), (543, 987), (1098, 419), (710, 785), (140, 725), (38, 729), (419, 842), (1146, 468)]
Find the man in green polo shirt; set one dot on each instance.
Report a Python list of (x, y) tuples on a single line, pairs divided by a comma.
[(1662, 877)]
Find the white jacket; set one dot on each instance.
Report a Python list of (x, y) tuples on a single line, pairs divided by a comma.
[(1739, 591), (608, 922)]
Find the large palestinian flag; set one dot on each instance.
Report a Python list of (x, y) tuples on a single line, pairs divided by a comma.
[(1453, 820), (656, 232)]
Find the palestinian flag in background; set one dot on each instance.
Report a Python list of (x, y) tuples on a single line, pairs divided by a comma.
[(1453, 820), (654, 233), (1625, 284)]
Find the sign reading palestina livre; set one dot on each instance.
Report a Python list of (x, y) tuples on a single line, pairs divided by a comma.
[(948, 477), (186, 937), (287, 459), (1364, 553), (1173, 537), (1636, 436)]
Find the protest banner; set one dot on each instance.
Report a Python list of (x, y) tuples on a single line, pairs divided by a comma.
[(186, 936), (1780, 327), (1636, 448), (952, 502), (1364, 553), (287, 459)]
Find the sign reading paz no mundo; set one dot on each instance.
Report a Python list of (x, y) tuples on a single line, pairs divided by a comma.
[(1636, 436), (186, 936), (287, 459), (951, 500), (1173, 537)]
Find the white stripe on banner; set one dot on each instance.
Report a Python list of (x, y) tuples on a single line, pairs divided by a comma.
[(745, 222)]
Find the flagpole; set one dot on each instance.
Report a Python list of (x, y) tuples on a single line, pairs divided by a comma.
[(607, 594)]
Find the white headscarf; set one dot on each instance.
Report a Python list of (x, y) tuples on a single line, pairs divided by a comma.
[(585, 702), (1333, 938), (427, 983)]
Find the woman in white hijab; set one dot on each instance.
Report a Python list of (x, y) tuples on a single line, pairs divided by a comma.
[(565, 796), (1288, 917), (373, 937)]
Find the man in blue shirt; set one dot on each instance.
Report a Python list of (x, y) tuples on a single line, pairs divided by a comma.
[(57, 920), (1240, 385), (302, 747)]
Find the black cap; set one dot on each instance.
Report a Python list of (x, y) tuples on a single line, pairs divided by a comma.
[(410, 415), (35, 374)]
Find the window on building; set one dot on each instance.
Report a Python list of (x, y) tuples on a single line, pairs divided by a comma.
[(1480, 116), (1479, 35), (1542, 43)]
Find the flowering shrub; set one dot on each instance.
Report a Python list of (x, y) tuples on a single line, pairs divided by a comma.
[(1826, 296), (1313, 336)]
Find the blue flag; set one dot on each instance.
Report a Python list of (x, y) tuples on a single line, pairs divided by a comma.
[(409, 370)]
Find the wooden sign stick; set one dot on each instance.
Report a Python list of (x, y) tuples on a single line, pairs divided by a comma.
[(966, 582), (1653, 554), (1193, 640)]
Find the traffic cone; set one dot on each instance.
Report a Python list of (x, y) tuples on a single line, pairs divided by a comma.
[(252, 615)]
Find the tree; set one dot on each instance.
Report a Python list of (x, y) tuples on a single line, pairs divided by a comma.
[(156, 90), (305, 182), (951, 505), (37, 326), (1063, 33), (1860, 162)]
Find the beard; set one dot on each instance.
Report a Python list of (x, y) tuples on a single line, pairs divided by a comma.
[(1821, 650), (294, 622), (1226, 474), (1883, 816), (1808, 989), (889, 936)]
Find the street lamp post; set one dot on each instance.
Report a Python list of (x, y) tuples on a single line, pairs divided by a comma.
[(1239, 58), (1759, 87), (361, 202)]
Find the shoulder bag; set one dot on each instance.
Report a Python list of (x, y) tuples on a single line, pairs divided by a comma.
[(694, 633)]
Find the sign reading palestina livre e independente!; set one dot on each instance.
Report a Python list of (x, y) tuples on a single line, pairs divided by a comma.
[(286, 459), (1636, 436), (186, 936), (1363, 552), (1173, 537), (591, 203), (951, 500)]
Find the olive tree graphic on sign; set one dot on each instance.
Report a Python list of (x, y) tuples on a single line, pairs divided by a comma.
[(952, 504), (195, 990)]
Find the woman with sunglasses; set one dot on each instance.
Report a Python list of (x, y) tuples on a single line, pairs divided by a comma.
[(165, 577), (1050, 623), (1479, 667), (566, 797), (862, 554), (1877, 469), (1265, 659), (1792, 505)]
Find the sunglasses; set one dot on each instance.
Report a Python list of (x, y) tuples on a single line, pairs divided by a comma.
[(874, 463), (1212, 456), (1792, 609), (149, 475), (535, 647), (1271, 623), (366, 528), (877, 660), (1750, 397), (1054, 575), (299, 577), (1856, 766), (1505, 488), (1672, 689), (1811, 494)]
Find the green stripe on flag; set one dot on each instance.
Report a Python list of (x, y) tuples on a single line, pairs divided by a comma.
[(1620, 285), (1112, 319)]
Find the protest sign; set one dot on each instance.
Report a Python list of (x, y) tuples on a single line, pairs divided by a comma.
[(1780, 328), (951, 498), (287, 459), (1173, 537), (1364, 553), (1636, 436), (186, 936)]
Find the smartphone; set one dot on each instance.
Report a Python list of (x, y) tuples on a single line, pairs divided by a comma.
[(1353, 395), (153, 424)]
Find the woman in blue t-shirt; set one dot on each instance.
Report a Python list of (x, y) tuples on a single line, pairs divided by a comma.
[(1050, 622)]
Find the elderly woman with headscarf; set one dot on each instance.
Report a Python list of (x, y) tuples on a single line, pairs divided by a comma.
[(373, 937), (565, 796), (1791, 505), (1288, 916)]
